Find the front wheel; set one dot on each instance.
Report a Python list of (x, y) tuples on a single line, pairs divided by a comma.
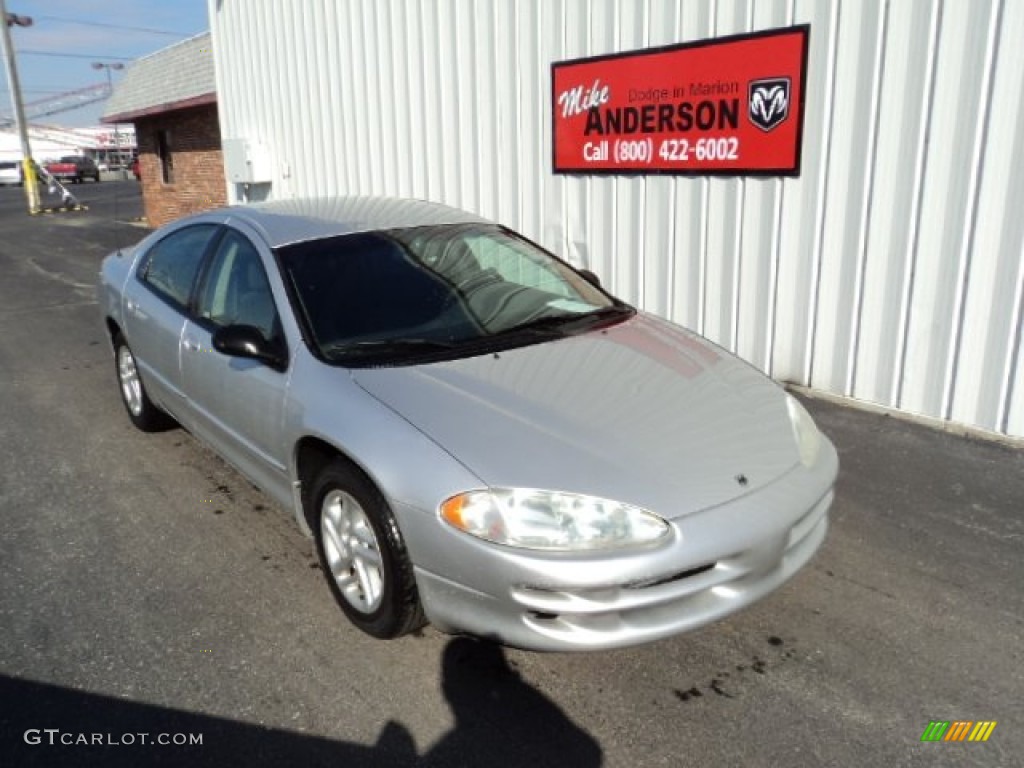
[(362, 553), (141, 410)]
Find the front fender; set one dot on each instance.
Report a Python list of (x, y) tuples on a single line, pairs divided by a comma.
[(412, 471)]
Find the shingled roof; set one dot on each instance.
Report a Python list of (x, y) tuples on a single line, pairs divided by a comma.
[(176, 77)]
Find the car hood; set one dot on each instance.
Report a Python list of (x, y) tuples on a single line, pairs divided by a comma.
[(643, 412)]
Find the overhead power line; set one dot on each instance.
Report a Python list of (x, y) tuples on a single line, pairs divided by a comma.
[(87, 23), (59, 54)]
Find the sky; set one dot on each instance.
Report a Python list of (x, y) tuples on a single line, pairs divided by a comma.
[(55, 54)]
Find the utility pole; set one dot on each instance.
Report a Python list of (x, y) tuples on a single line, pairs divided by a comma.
[(7, 20)]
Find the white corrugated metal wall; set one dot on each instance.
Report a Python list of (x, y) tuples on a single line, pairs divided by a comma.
[(891, 271)]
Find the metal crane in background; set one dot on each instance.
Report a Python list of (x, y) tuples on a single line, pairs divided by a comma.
[(63, 102)]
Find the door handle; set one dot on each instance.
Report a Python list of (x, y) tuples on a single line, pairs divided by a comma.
[(190, 345)]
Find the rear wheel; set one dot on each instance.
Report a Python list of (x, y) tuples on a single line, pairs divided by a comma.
[(141, 410), (362, 553)]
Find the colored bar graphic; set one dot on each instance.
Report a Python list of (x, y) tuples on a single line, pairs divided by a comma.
[(958, 730), (982, 731)]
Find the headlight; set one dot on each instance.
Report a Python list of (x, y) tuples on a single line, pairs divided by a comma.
[(808, 438), (548, 520)]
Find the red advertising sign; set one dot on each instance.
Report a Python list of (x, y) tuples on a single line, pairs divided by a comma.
[(729, 106)]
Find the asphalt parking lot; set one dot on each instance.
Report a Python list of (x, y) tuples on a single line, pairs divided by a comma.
[(145, 587)]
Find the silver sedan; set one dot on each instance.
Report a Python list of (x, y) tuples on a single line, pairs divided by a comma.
[(473, 432)]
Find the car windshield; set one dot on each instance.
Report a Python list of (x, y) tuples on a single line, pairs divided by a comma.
[(438, 292)]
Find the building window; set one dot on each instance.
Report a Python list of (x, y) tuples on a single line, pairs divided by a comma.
[(163, 151)]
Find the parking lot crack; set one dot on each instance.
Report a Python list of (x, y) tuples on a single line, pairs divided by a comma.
[(58, 276)]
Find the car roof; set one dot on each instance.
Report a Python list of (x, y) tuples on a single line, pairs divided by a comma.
[(284, 222)]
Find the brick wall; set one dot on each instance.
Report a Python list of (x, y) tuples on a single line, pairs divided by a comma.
[(195, 148)]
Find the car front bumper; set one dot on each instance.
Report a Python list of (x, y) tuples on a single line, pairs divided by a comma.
[(719, 561)]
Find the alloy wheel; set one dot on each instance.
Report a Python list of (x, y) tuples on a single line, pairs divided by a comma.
[(352, 551), (131, 386)]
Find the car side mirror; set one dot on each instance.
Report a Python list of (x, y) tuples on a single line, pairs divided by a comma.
[(247, 341), (590, 277)]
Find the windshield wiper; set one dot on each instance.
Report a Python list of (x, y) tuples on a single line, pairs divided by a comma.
[(376, 346), (566, 324)]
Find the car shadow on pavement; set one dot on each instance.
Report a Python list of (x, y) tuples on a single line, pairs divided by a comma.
[(500, 720)]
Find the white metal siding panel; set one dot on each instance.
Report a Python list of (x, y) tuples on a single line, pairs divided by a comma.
[(991, 307), (628, 244), (904, 106), (664, 18), (723, 226), (602, 229), (1014, 393), (892, 269), (551, 32), (849, 180), (801, 245), (946, 203), (508, 115), (690, 254)]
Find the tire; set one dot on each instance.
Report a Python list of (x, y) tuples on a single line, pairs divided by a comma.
[(362, 554), (96, 178), (141, 411)]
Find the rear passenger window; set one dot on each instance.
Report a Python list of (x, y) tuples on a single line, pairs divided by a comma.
[(171, 265)]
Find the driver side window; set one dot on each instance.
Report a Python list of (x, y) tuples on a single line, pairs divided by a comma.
[(236, 290)]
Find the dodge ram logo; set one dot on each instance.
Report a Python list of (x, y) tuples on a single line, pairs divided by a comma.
[(769, 102)]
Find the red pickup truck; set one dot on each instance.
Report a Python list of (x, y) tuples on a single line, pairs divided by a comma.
[(76, 168)]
